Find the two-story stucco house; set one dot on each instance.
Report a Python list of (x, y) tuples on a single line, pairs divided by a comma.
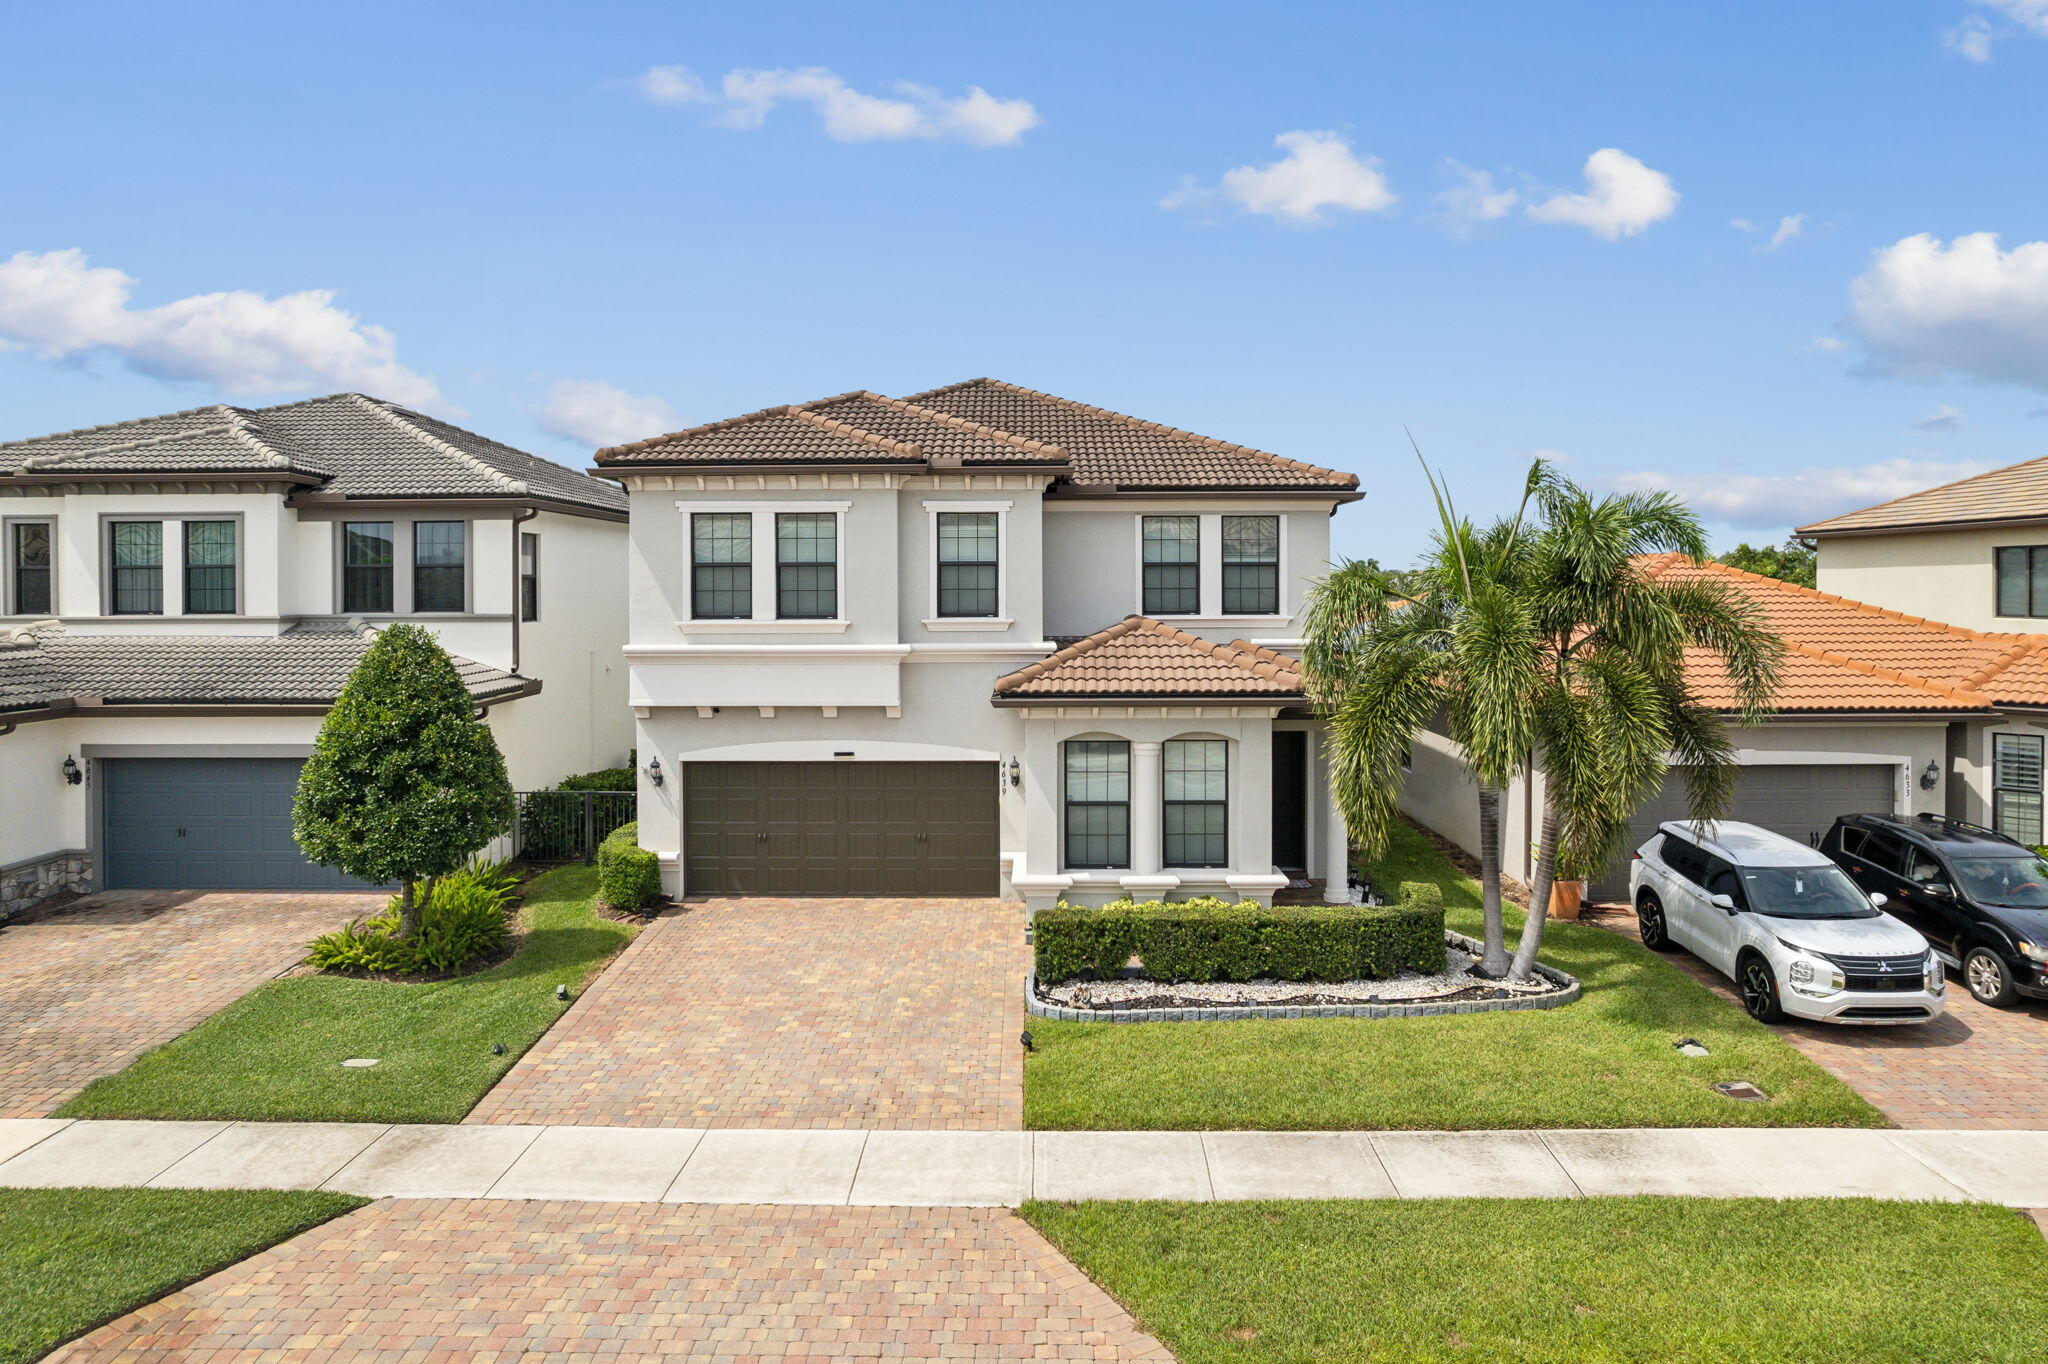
[(182, 597), (978, 641)]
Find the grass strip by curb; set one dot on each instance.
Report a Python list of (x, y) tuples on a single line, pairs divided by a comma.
[(1605, 1061), (1560, 1281), (74, 1259), (275, 1054)]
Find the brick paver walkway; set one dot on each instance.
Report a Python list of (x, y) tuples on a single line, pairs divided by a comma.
[(1974, 1067), (792, 1013), (423, 1280), (85, 989)]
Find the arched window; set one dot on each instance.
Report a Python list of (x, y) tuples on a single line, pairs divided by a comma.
[(1098, 798), (1197, 820)]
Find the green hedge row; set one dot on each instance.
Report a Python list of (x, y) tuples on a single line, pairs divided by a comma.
[(1209, 939), (628, 876)]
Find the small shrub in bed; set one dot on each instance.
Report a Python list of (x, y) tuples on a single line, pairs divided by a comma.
[(628, 876), (463, 916), (1210, 940)]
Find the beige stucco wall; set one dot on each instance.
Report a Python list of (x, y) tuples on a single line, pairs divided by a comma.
[(1942, 575)]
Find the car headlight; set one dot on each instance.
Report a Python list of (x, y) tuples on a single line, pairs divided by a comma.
[(1815, 977), (1937, 979), (2034, 951)]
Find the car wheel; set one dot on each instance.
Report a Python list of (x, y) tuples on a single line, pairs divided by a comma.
[(1650, 923), (1987, 978), (1759, 989)]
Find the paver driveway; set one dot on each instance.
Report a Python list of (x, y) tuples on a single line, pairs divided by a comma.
[(85, 989), (410, 1279), (1974, 1067), (792, 1013)]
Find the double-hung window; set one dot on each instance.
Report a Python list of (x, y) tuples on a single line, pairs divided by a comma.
[(968, 551), (135, 564), (439, 566), (721, 565), (1251, 565), (806, 565), (210, 568), (29, 560), (2022, 580), (366, 567), (529, 576), (1172, 565), (1098, 800), (2016, 761), (1196, 820)]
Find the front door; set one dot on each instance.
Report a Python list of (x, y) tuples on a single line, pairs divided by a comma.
[(1290, 799)]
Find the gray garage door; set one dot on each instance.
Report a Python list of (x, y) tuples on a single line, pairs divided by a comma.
[(845, 828), (204, 824), (1797, 801)]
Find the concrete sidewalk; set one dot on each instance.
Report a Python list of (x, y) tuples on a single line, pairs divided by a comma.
[(1001, 1169)]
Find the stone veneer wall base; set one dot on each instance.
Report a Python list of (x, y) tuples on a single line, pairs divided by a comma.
[(28, 883)]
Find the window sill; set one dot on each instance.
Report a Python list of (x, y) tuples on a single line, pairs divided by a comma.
[(762, 627), (969, 623), (1226, 620)]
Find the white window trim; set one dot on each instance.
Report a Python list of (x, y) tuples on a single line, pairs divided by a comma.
[(1209, 545), (7, 567), (764, 621), (1001, 620)]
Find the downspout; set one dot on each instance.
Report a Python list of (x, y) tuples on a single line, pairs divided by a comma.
[(518, 601)]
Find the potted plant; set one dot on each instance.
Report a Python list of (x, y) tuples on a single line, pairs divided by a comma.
[(1567, 886)]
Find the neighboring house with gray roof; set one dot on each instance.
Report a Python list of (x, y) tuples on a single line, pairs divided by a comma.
[(982, 640), (182, 597)]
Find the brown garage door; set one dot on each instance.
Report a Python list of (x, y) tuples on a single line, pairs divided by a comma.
[(839, 828), (1799, 801)]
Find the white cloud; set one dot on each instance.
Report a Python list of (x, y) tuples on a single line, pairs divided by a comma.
[(1970, 40), (1320, 171), (1830, 345), (1773, 500), (745, 98), (1941, 421), (1788, 228), (595, 413), (1474, 199), (1924, 309), (242, 343), (1623, 196), (2031, 15)]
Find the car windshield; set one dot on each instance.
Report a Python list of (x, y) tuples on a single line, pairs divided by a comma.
[(2007, 882), (1804, 893)]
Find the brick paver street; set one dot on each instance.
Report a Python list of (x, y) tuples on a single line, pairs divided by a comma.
[(1974, 1067), (409, 1279), (792, 1013), (85, 989)]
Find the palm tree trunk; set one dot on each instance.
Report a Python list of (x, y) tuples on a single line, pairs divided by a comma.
[(1539, 896), (408, 909), (1493, 958)]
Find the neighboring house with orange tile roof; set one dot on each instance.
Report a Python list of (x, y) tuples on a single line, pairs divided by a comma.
[(981, 640), (1973, 552), (1875, 710), (182, 597)]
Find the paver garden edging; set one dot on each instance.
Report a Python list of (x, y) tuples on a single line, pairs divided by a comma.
[(1569, 991)]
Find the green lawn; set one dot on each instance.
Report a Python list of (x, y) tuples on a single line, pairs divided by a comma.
[(275, 1054), (73, 1259), (1736, 1281), (1605, 1061)]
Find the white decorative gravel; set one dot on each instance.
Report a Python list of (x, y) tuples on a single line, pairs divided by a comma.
[(1407, 987)]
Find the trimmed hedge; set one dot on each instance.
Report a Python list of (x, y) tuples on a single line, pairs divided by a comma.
[(1209, 939), (628, 876)]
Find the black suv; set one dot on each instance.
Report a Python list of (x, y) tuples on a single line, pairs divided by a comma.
[(1979, 897)]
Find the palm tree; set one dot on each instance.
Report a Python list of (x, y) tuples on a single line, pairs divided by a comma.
[(1546, 646)]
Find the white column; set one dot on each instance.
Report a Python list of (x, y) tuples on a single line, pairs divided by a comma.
[(1336, 840), (1148, 800)]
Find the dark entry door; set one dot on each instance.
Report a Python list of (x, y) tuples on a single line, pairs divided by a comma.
[(1290, 799), (840, 828), (204, 824)]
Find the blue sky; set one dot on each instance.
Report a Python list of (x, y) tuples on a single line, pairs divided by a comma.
[(520, 227)]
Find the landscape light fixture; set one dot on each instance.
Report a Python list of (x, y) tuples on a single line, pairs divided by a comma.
[(1930, 775), (1016, 774), (72, 774)]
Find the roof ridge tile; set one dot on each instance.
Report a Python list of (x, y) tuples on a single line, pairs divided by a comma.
[(491, 473), (1826, 522), (947, 419), (840, 427), (1864, 607), (115, 426), (1889, 674)]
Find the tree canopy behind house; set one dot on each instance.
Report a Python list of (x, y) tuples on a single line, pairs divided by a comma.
[(1790, 562)]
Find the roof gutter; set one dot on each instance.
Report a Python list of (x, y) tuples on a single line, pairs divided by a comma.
[(519, 519), (1183, 699)]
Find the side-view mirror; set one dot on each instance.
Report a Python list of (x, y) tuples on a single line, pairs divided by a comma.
[(1723, 901), (1879, 900), (1940, 890)]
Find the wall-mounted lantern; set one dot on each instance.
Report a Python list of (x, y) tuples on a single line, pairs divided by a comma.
[(1016, 775), (654, 770), (73, 774), (1930, 775)]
